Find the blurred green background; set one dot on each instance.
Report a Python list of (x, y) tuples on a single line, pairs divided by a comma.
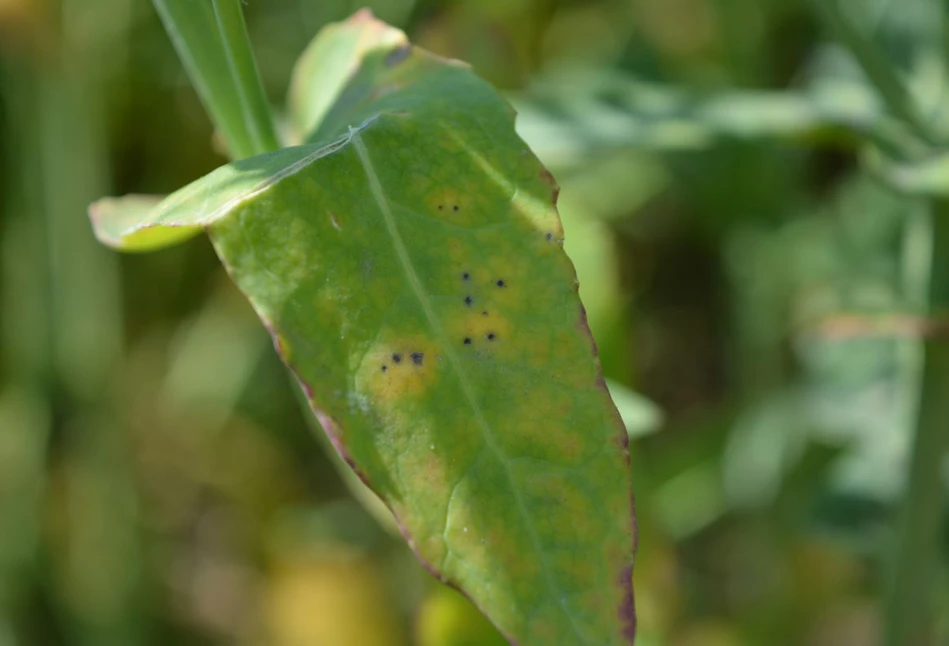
[(159, 483)]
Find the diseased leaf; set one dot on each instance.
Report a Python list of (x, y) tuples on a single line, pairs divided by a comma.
[(409, 266)]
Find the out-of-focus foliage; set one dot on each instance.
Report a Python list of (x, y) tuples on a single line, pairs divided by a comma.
[(742, 264)]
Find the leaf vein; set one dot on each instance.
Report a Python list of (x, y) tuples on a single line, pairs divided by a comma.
[(488, 434)]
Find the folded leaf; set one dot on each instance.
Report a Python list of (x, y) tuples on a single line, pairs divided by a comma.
[(409, 266), (118, 222)]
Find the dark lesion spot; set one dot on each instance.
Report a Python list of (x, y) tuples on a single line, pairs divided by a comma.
[(417, 358), (466, 276), (491, 336), (441, 207), (484, 313), (455, 208), (500, 283), (468, 301), (385, 368), (398, 55), (550, 237), (467, 340), (397, 358)]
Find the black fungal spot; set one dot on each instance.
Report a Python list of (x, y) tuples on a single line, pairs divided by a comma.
[(417, 358), (467, 340), (550, 237), (468, 301), (500, 283), (484, 313), (455, 208), (385, 368), (491, 336), (466, 276), (397, 358), (441, 206)]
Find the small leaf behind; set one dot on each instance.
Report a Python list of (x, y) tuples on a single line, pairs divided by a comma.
[(327, 65)]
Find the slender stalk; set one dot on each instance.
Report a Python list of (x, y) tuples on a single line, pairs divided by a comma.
[(916, 562), (245, 76), (229, 87), (876, 66)]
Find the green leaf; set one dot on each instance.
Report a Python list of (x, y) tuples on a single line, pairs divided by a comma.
[(928, 175), (409, 266), (572, 114), (327, 65)]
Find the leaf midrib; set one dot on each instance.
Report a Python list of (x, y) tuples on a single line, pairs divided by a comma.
[(488, 434)]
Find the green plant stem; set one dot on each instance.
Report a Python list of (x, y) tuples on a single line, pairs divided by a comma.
[(246, 78), (916, 561), (213, 46), (876, 66)]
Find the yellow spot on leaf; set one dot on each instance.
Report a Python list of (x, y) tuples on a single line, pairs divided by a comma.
[(454, 206), (392, 371)]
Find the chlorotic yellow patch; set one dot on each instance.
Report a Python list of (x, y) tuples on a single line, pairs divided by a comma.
[(392, 371), (453, 206)]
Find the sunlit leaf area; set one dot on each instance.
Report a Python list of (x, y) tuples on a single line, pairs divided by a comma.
[(753, 197)]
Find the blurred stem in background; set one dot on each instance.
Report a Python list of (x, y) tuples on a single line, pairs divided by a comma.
[(96, 552), (25, 402), (916, 566), (86, 513)]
